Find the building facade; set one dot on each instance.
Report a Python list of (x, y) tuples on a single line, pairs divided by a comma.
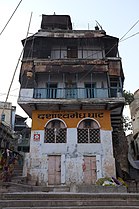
[(22, 134), (71, 87), (7, 115), (134, 110)]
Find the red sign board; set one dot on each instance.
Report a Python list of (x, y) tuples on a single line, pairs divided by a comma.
[(36, 137)]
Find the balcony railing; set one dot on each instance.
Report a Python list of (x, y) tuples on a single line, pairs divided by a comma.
[(76, 93)]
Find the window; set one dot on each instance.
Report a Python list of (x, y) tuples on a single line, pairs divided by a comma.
[(88, 132), (72, 52), (114, 87), (87, 123), (55, 132), (3, 117), (71, 90), (51, 90), (90, 93)]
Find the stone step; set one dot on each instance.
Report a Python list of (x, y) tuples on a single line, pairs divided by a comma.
[(18, 172), (67, 195), (44, 200), (23, 187), (67, 203), (91, 207), (20, 179), (14, 187), (18, 167)]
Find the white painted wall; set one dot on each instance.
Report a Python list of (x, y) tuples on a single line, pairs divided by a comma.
[(25, 95), (72, 154), (108, 161), (6, 109)]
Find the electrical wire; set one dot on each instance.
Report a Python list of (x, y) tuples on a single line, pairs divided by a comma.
[(129, 30), (17, 64), (130, 36), (10, 18)]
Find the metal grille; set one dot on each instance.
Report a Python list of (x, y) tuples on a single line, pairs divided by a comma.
[(82, 135), (49, 135), (88, 135), (94, 135), (53, 135)]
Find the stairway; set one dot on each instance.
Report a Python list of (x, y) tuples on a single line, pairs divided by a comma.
[(17, 173), (44, 200), (14, 195), (15, 180), (19, 183)]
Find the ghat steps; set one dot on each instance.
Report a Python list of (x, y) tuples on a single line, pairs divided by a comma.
[(43, 200)]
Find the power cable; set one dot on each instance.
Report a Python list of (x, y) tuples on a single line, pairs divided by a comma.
[(17, 64), (10, 18), (114, 45), (130, 36), (15, 73), (129, 30)]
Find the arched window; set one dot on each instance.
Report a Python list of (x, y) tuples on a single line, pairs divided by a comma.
[(88, 131), (55, 132)]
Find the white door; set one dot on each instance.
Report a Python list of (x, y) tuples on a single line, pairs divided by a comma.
[(54, 170), (89, 169)]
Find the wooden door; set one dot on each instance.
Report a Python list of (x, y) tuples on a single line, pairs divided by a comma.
[(54, 170), (89, 169), (71, 90)]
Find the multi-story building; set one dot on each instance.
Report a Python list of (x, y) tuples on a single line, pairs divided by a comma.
[(7, 113), (71, 87), (7, 119), (22, 134)]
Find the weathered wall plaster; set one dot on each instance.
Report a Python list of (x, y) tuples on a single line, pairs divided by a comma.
[(72, 155)]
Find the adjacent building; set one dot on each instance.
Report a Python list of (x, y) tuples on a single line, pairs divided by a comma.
[(7, 114), (71, 86), (134, 109), (133, 139), (22, 134), (7, 120)]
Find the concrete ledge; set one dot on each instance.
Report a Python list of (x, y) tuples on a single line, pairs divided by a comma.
[(101, 189), (16, 187)]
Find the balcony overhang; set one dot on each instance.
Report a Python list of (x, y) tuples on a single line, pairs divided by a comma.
[(114, 105), (74, 34)]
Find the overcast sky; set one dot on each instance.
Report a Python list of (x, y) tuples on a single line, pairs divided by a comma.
[(115, 16)]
